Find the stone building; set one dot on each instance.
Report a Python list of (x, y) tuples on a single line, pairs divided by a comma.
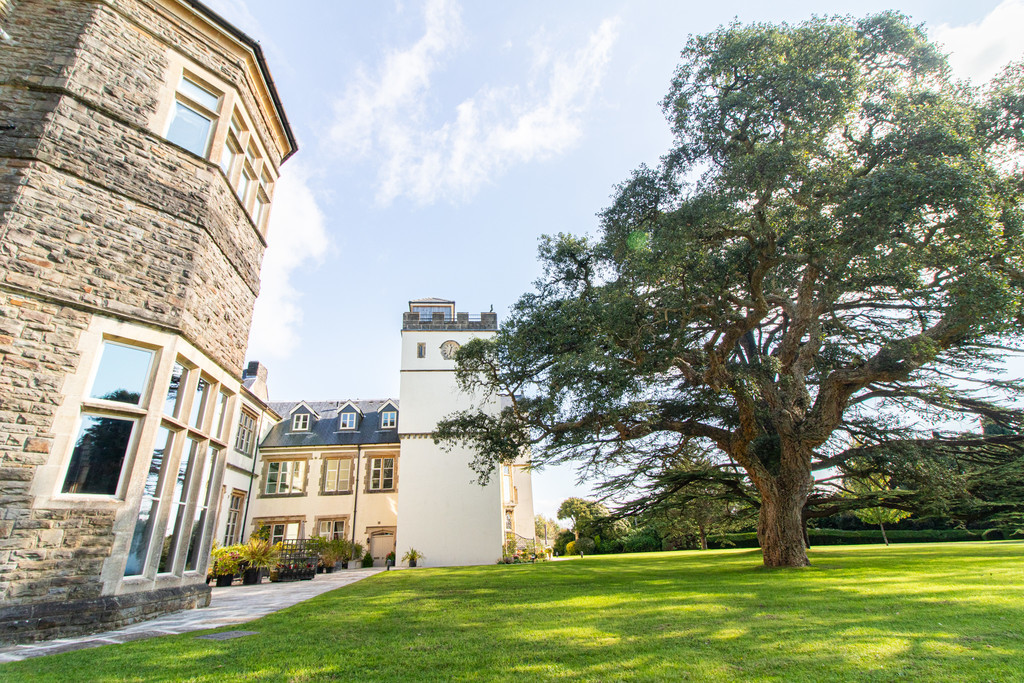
[(140, 142), (369, 471)]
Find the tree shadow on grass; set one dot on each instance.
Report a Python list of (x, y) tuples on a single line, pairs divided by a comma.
[(718, 616)]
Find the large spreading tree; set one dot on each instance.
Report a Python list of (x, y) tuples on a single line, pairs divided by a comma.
[(825, 266)]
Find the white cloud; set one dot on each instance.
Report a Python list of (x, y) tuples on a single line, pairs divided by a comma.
[(980, 50), (297, 238), (384, 114)]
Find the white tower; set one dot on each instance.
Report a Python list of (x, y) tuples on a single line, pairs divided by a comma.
[(442, 512)]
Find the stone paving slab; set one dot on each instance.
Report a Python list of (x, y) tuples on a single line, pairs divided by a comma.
[(229, 605)]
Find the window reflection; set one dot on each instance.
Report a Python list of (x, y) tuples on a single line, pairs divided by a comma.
[(171, 403), (122, 374), (199, 404), (99, 453), (150, 503), (179, 498)]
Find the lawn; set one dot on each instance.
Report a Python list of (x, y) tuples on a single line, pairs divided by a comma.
[(930, 612)]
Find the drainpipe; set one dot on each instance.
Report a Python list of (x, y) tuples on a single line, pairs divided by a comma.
[(355, 499)]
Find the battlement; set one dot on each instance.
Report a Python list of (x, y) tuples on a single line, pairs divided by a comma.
[(439, 321)]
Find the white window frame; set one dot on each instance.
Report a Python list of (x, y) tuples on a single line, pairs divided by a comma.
[(342, 468), (389, 419), (290, 479), (377, 469), (182, 98), (300, 422), (332, 532), (348, 420), (245, 439)]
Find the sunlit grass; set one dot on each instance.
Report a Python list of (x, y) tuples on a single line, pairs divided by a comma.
[(936, 612)]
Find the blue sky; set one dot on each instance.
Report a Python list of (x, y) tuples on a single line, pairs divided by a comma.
[(439, 140)]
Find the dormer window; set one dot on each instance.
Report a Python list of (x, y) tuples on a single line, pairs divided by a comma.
[(348, 421), (300, 422), (388, 419)]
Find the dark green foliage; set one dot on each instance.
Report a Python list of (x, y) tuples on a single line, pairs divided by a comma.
[(643, 540), (993, 535), (367, 559), (823, 266), (839, 537), (585, 546), (562, 540)]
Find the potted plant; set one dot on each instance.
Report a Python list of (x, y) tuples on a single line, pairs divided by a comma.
[(334, 551), (412, 556), (258, 555), (315, 545), (354, 552), (226, 563)]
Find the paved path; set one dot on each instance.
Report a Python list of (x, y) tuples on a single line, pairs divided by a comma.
[(234, 605)]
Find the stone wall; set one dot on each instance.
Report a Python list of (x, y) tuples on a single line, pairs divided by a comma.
[(102, 218), (93, 183), (44, 554), (47, 621)]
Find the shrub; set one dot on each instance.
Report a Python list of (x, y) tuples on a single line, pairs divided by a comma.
[(993, 535), (226, 560), (840, 537), (260, 554), (367, 560), (643, 540), (570, 548), (562, 541), (1019, 533), (584, 546)]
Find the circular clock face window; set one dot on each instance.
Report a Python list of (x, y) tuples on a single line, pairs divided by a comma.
[(448, 349)]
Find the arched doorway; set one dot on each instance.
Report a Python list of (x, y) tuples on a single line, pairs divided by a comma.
[(381, 543)]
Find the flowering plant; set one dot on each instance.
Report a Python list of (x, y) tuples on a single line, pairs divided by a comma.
[(226, 561)]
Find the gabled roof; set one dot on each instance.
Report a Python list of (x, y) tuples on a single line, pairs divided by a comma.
[(348, 404), (308, 407), (325, 430), (390, 403)]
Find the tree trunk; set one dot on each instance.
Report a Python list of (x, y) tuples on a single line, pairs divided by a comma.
[(884, 537), (780, 527), (703, 537)]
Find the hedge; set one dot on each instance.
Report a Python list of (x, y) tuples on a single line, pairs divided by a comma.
[(839, 537)]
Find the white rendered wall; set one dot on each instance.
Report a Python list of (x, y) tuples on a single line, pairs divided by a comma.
[(522, 480), (442, 512)]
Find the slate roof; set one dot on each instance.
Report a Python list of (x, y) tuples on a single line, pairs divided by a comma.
[(325, 430)]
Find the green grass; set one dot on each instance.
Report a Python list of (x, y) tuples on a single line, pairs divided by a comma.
[(934, 612)]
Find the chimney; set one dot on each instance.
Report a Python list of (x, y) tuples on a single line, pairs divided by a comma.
[(254, 377)]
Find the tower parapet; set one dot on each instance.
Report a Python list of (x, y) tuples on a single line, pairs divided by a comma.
[(438, 321)]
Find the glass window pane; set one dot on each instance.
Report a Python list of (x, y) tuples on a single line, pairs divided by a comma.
[(139, 549), (196, 540), (272, 473), (218, 416), (173, 390), (189, 129), (123, 373), (199, 404), (199, 94), (178, 497), (230, 153), (99, 453), (245, 183), (331, 479)]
